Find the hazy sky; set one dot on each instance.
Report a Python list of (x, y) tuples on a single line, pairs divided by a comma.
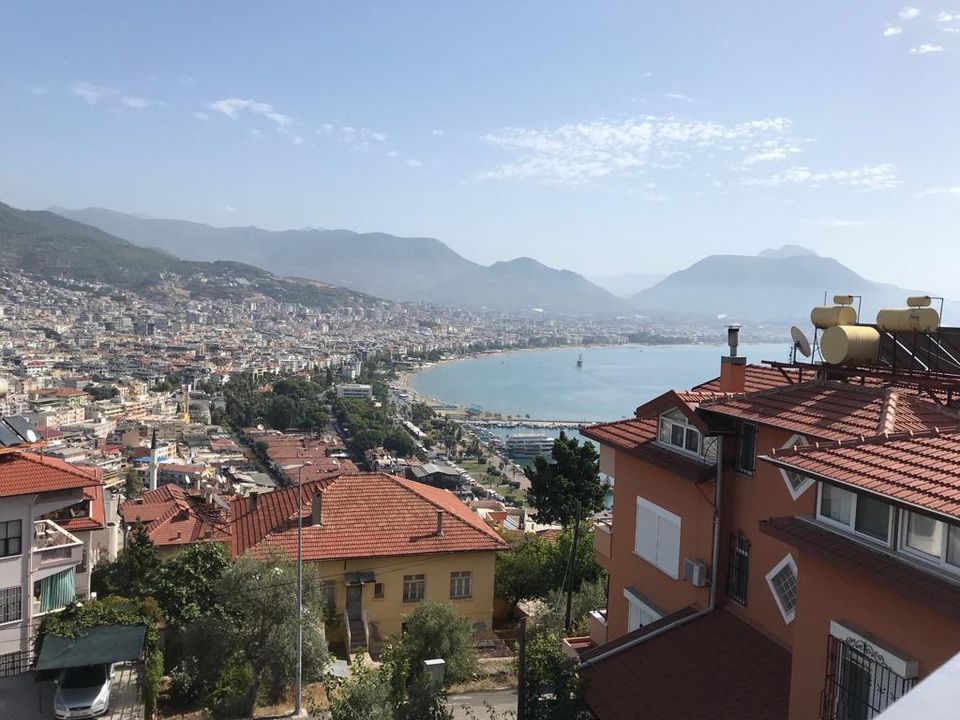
[(607, 137)]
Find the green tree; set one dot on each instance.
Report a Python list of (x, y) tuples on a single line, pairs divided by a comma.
[(134, 573), (399, 443), (281, 412), (553, 688), (132, 484), (572, 475), (434, 630), (525, 571), (186, 588)]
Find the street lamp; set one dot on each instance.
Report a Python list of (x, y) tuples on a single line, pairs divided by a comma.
[(298, 703)]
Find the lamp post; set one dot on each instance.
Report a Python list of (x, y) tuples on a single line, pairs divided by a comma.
[(298, 703)]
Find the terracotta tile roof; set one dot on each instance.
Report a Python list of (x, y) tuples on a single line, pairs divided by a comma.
[(174, 516), (638, 437), (715, 666), (758, 377), (917, 469), (366, 515), (900, 577), (23, 473), (835, 411), (97, 519)]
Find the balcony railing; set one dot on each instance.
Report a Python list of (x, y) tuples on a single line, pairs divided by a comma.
[(603, 539), (53, 546), (598, 626)]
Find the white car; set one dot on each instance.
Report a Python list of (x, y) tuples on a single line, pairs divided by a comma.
[(82, 692)]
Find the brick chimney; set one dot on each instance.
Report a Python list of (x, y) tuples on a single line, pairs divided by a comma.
[(439, 532), (316, 514), (733, 367)]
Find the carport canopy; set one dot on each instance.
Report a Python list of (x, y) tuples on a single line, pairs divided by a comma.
[(92, 646)]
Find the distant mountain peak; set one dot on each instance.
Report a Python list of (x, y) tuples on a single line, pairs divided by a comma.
[(785, 251)]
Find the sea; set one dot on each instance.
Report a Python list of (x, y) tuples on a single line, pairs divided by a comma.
[(548, 384)]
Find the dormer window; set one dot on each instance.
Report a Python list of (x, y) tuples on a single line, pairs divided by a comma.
[(677, 431)]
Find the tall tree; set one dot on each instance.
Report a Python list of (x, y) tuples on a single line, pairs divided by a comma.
[(572, 475), (186, 588), (135, 571)]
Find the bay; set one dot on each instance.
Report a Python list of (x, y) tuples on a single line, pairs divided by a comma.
[(548, 385)]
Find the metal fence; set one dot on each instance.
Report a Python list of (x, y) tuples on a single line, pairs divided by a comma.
[(859, 685)]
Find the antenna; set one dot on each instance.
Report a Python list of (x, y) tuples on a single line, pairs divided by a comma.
[(800, 343)]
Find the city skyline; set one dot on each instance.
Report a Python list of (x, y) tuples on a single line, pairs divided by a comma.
[(627, 139)]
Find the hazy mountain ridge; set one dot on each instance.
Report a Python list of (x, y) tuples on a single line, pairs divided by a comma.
[(46, 244), (628, 284), (400, 268)]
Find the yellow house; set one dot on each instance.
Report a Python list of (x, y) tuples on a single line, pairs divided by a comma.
[(383, 544)]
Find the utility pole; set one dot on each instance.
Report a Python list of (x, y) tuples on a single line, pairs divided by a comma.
[(522, 671), (298, 703), (571, 569)]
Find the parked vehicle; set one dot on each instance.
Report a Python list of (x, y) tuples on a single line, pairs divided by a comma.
[(82, 692)]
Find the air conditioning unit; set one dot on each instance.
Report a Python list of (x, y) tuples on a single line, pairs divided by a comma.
[(695, 571)]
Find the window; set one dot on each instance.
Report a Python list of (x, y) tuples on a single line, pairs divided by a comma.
[(13, 663), (864, 677), (747, 455), (738, 570), (862, 514), (461, 584), (328, 593), (378, 590), (783, 584), (657, 537), (11, 604), (414, 588), (931, 540), (639, 612), (797, 483), (676, 430), (10, 532)]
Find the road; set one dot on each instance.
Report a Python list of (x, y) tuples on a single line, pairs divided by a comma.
[(502, 701)]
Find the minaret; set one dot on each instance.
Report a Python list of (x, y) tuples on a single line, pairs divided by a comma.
[(154, 460)]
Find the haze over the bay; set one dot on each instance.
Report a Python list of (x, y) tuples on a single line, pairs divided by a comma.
[(628, 138)]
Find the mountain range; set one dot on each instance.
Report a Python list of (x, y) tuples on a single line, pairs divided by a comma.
[(54, 247)]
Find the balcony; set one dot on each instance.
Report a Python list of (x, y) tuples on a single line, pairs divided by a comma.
[(603, 541), (53, 549), (598, 626)]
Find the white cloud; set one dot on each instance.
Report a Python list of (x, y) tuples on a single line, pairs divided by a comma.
[(679, 96), (38, 90), (947, 17), (836, 222), (91, 93), (232, 107), (892, 30), (226, 208), (358, 138), (136, 103), (940, 190), (866, 177), (580, 153), (952, 30), (201, 116), (909, 13), (437, 133), (413, 162), (927, 48)]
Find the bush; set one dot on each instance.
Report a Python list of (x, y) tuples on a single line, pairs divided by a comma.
[(185, 682), (434, 630), (229, 697)]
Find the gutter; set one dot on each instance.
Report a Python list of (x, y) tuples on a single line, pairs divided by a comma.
[(711, 605)]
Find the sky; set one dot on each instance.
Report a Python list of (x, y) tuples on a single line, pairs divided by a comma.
[(604, 137)]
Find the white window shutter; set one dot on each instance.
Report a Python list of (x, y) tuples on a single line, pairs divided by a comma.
[(645, 533), (668, 546)]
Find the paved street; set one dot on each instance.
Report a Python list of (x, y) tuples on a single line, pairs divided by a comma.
[(502, 701)]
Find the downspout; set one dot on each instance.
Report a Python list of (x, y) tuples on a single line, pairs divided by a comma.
[(713, 576)]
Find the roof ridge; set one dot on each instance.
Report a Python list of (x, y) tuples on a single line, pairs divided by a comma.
[(860, 440), (52, 462), (888, 413)]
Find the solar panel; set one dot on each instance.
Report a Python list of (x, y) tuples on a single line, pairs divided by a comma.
[(22, 428), (8, 438)]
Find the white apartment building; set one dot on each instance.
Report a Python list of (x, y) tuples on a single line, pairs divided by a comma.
[(355, 390)]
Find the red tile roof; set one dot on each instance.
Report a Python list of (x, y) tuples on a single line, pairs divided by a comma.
[(96, 520), (24, 473), (175, 516), (757, 377), (918, 469), (896, 575), (366, 515), (836, 411), (715, 666)]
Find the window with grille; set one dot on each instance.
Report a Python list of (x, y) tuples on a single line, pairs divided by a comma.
[(797, 483), (328, 593), (14, 663), (461, 584), (414, 588), (747, 454), (10, 537), (378, 590), (862, 679), (783, 584), (738, 570), (11, 604)]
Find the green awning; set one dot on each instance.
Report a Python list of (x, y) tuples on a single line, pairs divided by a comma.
[(96, 645)]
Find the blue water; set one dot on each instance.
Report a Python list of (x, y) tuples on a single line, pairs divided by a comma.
[(547, 384)]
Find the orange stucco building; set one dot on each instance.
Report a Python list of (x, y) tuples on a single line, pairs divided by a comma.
[(797, 526)]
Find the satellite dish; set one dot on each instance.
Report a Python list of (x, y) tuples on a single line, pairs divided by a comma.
[(32, 435), (800, 341)]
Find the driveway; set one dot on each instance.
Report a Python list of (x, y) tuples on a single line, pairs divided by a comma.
[(502, 701), (23, 698)]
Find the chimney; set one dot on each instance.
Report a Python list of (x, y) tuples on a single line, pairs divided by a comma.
[(154, 460), (316, 514), (733, 367), (439, 532), (254, 499)]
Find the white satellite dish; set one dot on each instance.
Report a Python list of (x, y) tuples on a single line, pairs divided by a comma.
[(32, 436), (800, 341)]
